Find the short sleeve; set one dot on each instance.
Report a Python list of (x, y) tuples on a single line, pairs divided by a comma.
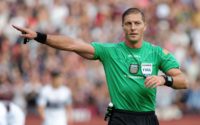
[(100, 50), (42, 100), (167, 60)]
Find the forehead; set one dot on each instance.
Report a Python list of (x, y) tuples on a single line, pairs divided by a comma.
[(132, 17)]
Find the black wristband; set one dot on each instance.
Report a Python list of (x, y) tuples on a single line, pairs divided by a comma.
[(41, 37), (168, 80)]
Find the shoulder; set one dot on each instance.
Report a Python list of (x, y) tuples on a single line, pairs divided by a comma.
[(153, 47), (157, 50), (46, 89), (66, 89), (104, 50), (107, 44)]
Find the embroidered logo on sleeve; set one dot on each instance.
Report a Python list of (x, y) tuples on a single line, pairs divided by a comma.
[(165, 51)]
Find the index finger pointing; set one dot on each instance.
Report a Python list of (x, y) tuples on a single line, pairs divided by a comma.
[(18, 28)]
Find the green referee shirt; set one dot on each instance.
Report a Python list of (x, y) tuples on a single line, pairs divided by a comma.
[(125, 70)]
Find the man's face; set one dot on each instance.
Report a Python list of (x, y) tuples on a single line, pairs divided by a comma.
[(57, 81), (134, 27)]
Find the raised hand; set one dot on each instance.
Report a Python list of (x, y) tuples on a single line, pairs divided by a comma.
[(27, 34)]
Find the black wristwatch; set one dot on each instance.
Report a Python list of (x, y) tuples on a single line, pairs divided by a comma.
[(168, 80)]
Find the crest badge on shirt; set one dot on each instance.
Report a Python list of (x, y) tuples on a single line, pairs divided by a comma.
[(133, 68), (147, 68)]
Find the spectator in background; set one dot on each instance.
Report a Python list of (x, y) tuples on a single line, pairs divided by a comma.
[(55, 102), (31, 90), (11, 114)]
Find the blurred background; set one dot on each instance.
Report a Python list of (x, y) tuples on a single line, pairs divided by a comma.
[(24, 69)]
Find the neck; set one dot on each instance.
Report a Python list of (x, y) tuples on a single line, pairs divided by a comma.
[(136, 44)]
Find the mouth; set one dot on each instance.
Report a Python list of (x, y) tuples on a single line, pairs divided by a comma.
[(133, 34)]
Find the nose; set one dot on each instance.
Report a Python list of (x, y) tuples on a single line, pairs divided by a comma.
[(133, 26)]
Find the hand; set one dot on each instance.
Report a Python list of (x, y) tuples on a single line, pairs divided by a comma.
[(26, 33), (154, 81)]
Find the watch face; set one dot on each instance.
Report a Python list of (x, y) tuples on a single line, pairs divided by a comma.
[(168, 81), (169, 78)]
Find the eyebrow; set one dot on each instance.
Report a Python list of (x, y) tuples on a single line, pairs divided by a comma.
[(135, 21)]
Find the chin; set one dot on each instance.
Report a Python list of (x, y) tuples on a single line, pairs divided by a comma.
[(133, 41)]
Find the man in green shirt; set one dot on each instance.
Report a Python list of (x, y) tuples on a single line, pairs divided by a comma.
[(131, 68)]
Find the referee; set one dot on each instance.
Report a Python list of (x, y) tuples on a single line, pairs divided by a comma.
[(131, 67)]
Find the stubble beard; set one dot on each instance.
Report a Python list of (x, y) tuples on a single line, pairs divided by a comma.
[(132, 41)]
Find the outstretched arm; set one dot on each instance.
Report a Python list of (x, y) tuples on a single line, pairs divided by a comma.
[(61, 42)]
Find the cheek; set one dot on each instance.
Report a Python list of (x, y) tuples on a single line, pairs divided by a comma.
[(126, 29), (142, 29), (59, 81)]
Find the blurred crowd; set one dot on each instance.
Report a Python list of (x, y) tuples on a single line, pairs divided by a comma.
[(24, 69)]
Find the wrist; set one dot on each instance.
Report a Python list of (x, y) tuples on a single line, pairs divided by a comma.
[(41, 37), (168, 80)]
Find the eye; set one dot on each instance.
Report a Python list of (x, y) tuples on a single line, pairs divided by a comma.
[(137, 23), (128, 24)]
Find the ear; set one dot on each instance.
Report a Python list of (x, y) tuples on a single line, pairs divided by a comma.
[(123, 27)]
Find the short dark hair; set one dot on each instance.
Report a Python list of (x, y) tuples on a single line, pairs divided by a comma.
[(55, 73), (133, 10)]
